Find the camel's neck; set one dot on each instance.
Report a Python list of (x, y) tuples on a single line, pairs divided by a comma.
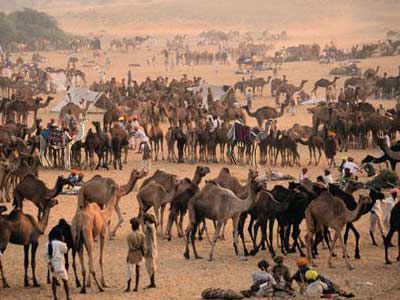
[(127, 188), (196, 179), (249, 201), (56, 190), (354, 215), (44, 220), (248, 111)]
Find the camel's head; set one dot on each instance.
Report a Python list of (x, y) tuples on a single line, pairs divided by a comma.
[(252, 176), (364, 200), (138, 173), (202, 171)]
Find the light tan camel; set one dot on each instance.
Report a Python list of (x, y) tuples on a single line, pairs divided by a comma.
[(101, 190), (218, 204), (330, 211), (89, 223)]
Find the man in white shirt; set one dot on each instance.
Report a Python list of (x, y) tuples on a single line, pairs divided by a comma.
[(55, 251), (389, 202), (214, 122), (349, 164)]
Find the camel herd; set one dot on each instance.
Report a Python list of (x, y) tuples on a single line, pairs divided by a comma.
[(220, 199)]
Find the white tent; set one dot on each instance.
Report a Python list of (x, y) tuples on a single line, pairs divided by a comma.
[(80, 96), (218, 92)]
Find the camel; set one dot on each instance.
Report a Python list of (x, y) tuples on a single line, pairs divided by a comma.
[(22, 229), (218, 204), (102, 190), (331, 211), (112, 115), (314, 142), (392, 156), (75, 110), (89, 223), (384, 157), (323, 83), (156, 136), (67, 146), (289, 90), (162, 182), (265, 113), (36, 191), (181, 198), (35, 105), (394, 226)]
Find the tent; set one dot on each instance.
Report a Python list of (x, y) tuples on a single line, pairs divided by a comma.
[(99, 100), (219, 92)]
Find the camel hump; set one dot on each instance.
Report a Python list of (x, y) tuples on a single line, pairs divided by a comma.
[(211, 181)]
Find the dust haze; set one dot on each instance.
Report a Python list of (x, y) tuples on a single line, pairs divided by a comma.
[(345, 22)]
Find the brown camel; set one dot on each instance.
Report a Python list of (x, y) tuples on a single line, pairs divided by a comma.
[(184, 191), (330, 211), (102, 190), (112, 115), (35, 105), (36, 191), (323, 83), (22, 229), (289, 90), (314, 142), (265, 113), (89, 223), (218, 204), (76, 111), (155, 195), (156, 136)]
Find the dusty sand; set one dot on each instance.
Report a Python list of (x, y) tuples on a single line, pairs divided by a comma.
[(178, 278)]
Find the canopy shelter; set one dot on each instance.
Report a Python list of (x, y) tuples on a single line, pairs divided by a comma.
[(218, 92), (80, 96)]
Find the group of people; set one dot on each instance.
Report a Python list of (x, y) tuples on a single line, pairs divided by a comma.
[(277, 281), (142, 246)]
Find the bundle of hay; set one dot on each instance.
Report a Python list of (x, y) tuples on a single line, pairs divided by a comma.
[(386, 179), (212, 293)]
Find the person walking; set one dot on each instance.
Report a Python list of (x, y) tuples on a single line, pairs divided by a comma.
[(55, 251), (136, 251)]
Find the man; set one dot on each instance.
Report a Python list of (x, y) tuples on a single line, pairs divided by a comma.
[(349, 164), (249, 98), (215, 123), (281, 274), (150, 255), (389, 202), (136, 251), (303, 175)]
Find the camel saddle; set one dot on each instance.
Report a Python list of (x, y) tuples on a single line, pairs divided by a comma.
[(56, 137), (240, 134)]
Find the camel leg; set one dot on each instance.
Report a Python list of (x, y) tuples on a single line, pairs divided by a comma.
[(180, 227), (26, 263), (162, 218), (102, 241), (83, 270), (157, 213), (3, 278), (340, 238), (242, 221), (120, 220), (351, 227), (88, 241), (388, 240), (186, 254), (214, 241), (77, 282), (33, 263), (309, 238)]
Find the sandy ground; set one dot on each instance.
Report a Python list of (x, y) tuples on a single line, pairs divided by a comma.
[(178, 278)]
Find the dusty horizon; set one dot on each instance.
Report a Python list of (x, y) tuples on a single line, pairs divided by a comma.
[(345, 22)]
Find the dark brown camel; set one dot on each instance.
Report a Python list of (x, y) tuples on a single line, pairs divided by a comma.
[(36, 191), (22, 229), (265, 113), (314, 143), (323, 83), (184, 191)]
